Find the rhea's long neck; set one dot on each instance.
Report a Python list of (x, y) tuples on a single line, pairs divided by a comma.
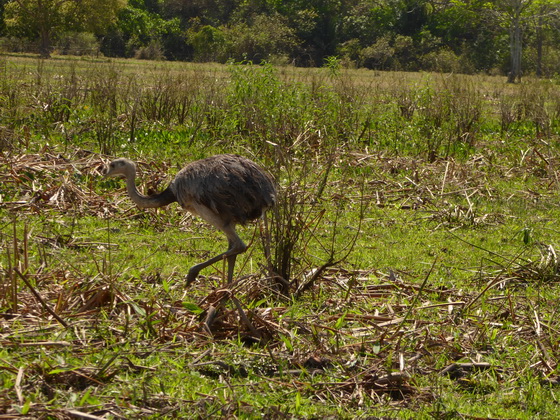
[(157, 200)]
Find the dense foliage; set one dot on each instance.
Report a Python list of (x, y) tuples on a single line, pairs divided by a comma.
[(464, 36)]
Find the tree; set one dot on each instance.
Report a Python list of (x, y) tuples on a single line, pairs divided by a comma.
[(469, 29), (140, 32), (514, 13), (518, 15), (546, 24), (2, 23), (45, 19)]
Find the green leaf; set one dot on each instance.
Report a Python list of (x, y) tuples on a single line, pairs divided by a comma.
[(340, 321), (192, 307), (25, 408)]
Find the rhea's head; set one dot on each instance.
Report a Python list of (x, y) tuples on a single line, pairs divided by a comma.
[(121, 167)]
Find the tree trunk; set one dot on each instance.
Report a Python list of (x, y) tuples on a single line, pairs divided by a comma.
[(515, 50), (45, 47), (539, 41)]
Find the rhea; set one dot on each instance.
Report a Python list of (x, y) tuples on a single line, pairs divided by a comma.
[(225, 190)]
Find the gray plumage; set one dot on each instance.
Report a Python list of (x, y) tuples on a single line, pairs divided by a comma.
[(225, 190)]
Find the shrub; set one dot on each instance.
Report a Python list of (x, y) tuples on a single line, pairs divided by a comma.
[(18, 45), (77, 43), (152, 51), (378, 55), (267, 37), (207, 42), (404, 52), (443, 60)]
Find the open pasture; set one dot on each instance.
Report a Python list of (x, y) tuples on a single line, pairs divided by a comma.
[(410, 269)]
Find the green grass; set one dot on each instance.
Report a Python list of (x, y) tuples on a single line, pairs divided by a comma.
[(449, 211)]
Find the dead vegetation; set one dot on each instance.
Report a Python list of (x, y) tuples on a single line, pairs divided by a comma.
[(369, 334)]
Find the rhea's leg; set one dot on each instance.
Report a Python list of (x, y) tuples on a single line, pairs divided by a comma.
[(231, 266), (236, 246)]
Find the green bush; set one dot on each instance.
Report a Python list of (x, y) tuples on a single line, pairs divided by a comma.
[(17, 45), (378, 55), (77, 43), (207, 42), (152, 51), (267, 37), (443, 60)]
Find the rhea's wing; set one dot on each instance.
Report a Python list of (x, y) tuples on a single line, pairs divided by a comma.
[(233, 187)]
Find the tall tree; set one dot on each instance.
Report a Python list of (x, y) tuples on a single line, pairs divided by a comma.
[(546, 23), (517, 16), (514, 13), (45, 19)]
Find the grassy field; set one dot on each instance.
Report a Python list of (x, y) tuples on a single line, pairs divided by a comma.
[(410, 269)]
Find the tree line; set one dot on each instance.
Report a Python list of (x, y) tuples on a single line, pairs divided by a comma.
[(465, 36)]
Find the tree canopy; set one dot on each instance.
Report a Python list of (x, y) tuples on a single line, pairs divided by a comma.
[(447, 35), (45, 19)]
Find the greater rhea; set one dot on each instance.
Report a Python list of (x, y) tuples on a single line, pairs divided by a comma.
[(225, 190)]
